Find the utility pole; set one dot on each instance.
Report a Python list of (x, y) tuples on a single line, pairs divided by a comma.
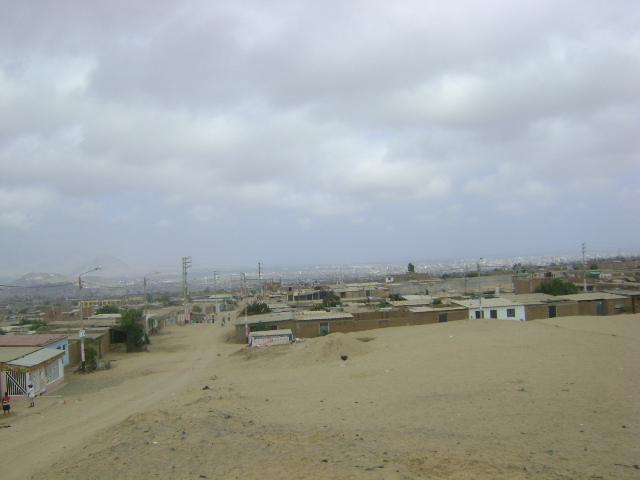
[(81, 332), (584, 266), (186, 263), (144, 289), (215, 290), (247, 330), (479, 290), (259, 284)]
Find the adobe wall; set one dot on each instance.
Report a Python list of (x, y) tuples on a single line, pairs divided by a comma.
[(615, 306), (364, 321), (540, 312)]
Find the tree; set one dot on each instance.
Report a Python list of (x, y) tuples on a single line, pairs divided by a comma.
[(557, 287), (33, 324), (166, 301), (396, 297), (331, 300), (131, 323), (107, 309), (411, 268), (257, 308)]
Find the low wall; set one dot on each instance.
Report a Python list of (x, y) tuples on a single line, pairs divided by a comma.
[(361, 322)]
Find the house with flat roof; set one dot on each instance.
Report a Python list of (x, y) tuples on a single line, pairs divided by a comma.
[(601, 303), (499, 308), (541, 305), (303, 323), (51, 341), (23, 366)]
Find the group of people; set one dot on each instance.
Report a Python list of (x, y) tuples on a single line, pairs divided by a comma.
[(6, 400)]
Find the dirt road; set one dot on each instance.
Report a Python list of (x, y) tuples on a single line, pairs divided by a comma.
[(177, 363)]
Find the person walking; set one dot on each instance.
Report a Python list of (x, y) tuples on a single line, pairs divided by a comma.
[(6, 403), (31, 393)]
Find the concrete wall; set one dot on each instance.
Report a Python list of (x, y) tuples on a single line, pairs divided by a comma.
[(103, 347), (439, 287)]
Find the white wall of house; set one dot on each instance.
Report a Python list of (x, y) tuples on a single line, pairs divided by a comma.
[(508, 312)]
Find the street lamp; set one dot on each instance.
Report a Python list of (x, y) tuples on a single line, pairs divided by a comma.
[(81, 332), (145, 297)]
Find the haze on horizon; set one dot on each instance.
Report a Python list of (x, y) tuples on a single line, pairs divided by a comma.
[(295, 132)]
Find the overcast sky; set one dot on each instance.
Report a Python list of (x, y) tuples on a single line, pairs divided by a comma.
[(298, 131)]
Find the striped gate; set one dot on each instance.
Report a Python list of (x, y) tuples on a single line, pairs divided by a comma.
[(16, 383)]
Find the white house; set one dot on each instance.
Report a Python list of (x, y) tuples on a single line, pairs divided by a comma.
[(499, 308), (23, 366)]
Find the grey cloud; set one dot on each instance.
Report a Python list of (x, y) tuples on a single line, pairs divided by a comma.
[(315, 110)]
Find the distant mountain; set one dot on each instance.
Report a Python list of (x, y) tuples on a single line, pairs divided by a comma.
[(33, 278), (111, 267)]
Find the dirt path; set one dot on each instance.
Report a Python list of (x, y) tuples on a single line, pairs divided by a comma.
[(177, 363)]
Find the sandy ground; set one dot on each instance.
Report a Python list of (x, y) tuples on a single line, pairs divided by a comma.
[(481, 399)]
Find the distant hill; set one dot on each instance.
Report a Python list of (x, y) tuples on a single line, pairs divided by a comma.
[(111, 267), (33, 279)]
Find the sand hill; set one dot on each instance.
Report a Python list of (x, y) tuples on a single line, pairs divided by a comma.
[(483, 399)]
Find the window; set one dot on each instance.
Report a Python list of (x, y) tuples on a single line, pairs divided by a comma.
[(511, 312), (442, 317), (494, 313), (479, 313)]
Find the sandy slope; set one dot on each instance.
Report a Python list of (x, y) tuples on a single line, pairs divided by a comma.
[(481, 399)]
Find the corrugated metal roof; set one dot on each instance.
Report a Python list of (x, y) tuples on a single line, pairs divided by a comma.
[(299, 316), (430, 309), (594, 296), (11, 353), (37, 357), (534, 298), (36, 340), (487, 303)]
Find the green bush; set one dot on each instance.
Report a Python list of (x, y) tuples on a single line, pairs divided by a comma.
[(91, 353), (260, 327), (107, 309), (257, 308), (319, 307), (557, 287)]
